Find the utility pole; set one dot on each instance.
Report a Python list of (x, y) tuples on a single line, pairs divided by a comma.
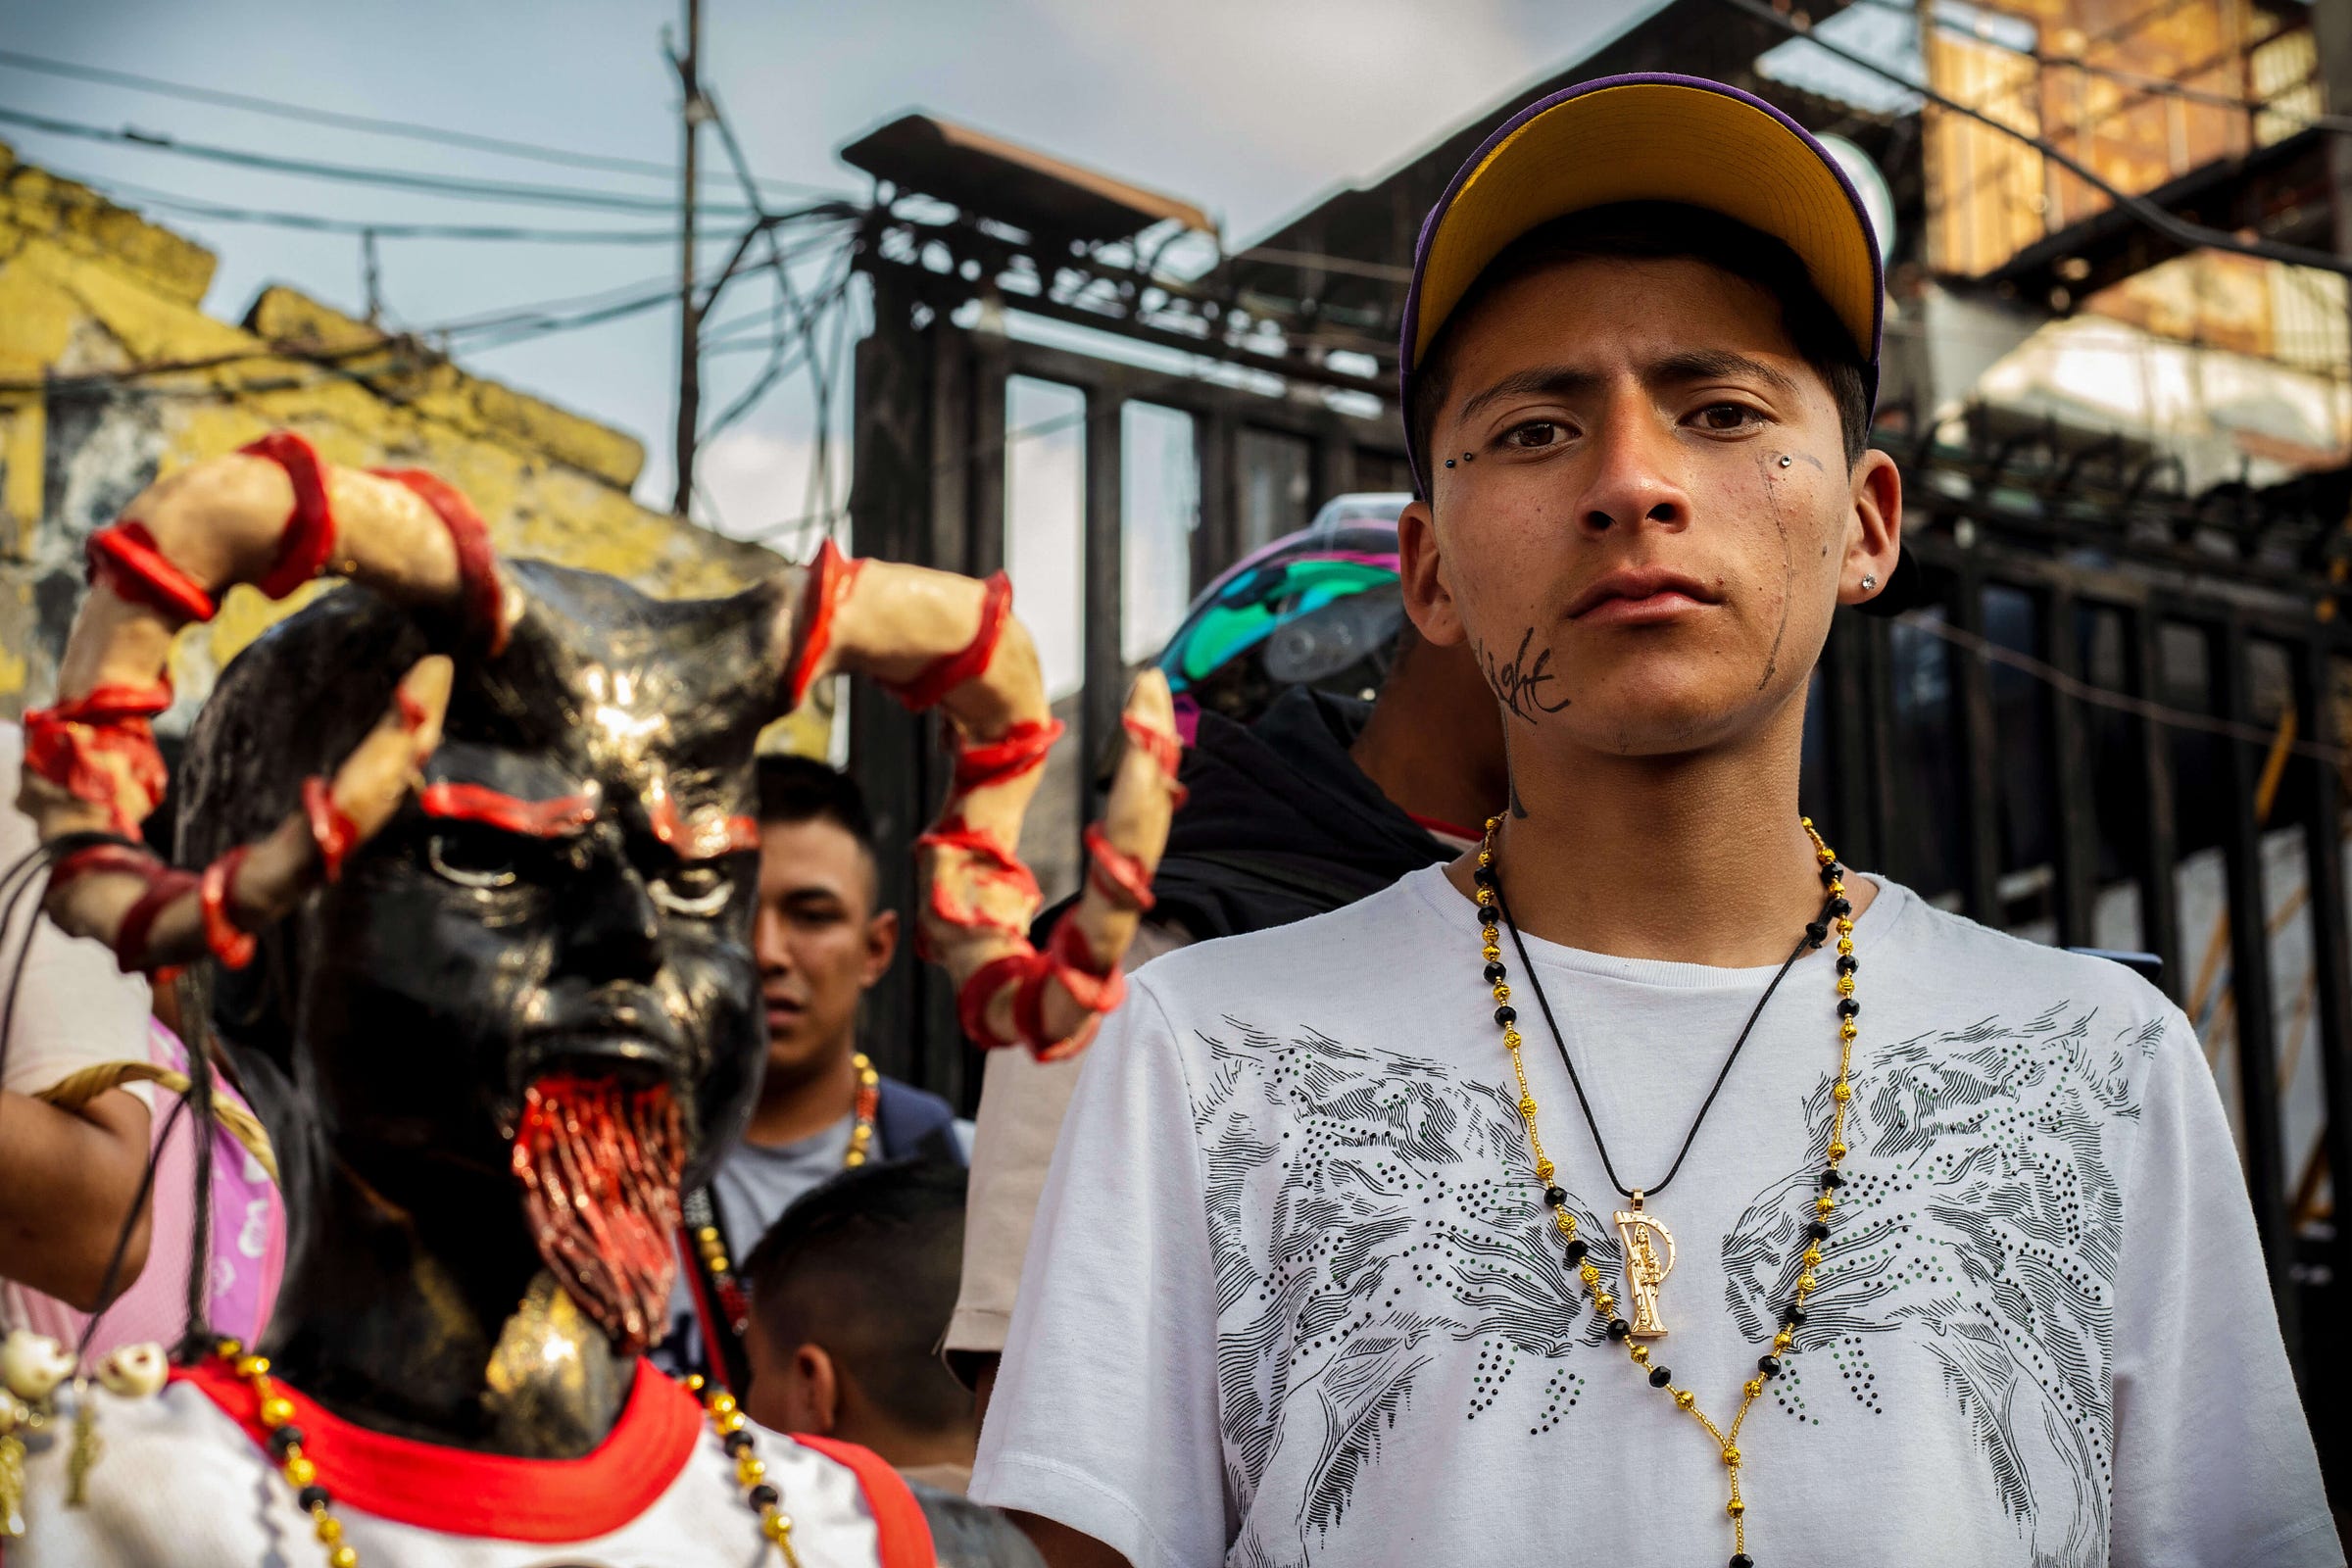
[(690, 391)]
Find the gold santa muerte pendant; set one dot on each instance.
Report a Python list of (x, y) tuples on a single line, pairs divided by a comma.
[(1644, 1269)]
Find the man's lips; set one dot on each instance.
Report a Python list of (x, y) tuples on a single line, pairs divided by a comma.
[(1632, 595)]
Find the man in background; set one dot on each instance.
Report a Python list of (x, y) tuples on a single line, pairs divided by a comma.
[(1323, 801), (821, 944)]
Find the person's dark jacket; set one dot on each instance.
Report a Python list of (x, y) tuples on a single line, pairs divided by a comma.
[(1279, 824)]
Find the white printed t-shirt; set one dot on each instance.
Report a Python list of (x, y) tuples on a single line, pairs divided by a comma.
[(182, 1479), (1293, 1297)]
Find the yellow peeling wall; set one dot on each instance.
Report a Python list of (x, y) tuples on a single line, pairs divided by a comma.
[(88, 288)]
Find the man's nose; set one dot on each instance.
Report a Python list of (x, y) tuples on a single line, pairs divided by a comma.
[(1635, 473), (769, 946)]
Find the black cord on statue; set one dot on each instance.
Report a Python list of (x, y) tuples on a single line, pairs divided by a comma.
[(1814, 936)]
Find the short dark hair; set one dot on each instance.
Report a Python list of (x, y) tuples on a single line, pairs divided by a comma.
[(868, 1265), (802, 789), (1653, 231)]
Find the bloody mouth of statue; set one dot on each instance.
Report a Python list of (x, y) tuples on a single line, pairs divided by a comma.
[(599, 1161)]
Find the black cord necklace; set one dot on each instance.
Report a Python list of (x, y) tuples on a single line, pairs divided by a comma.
[(1814, 936), (1648, 1246)]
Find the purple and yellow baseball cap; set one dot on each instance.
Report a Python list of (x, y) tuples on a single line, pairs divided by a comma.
[(1650, 137)]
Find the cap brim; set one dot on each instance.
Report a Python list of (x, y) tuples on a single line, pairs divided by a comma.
[(1659, 138)]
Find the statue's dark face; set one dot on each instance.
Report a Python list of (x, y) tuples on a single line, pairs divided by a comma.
[(571, 895)]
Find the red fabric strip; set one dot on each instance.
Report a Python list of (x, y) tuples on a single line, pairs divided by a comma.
[(461, 1492), (131, 937), (331, 831), (309, 536), (992, 864), (125, 558), (830, 577), (484, 602), (1121, 876), (232, 946), (974, 995), (100, 858), (1164, 749), (1075, 967), (904, 1535), (112, 705), (1010, 755), (539, 819), (63, 745), (951, 670)]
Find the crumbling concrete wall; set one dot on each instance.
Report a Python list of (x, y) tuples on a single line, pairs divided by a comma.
[(89, 290)]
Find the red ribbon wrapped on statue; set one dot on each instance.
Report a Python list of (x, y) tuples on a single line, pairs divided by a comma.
[(124, 557), (231, 944), (331, 831), (64, 744), (951, 670), (309, 541), (469, 536), (1022, 748)]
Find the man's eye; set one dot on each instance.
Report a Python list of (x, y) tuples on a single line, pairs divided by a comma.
[(1728, 417), (699, 890), (1534, 434), (471, 858)]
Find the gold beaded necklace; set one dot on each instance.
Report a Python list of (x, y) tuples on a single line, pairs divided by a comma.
[(701, 1215), (285, 1443), (1635, 1228)]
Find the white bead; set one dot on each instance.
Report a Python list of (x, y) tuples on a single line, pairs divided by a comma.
[(32, 1366), (134, 1371)]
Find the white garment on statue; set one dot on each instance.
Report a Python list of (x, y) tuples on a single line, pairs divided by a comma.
[(177, 1483), (1293, 1297)]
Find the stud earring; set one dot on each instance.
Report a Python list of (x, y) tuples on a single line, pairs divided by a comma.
[(1869, 580), (1786, 460)]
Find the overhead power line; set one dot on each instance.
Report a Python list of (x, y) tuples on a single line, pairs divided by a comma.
[(369, 124), (360, 175), (2191, 236), (116, 193)]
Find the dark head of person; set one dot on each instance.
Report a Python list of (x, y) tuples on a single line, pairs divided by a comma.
[(851, 1290), (550, 943)]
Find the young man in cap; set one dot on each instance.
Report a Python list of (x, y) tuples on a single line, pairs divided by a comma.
[(1645, 1186)]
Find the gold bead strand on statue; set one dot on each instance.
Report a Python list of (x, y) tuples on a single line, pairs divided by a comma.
[(1836, 916), (750, 1471), (276, 1414)]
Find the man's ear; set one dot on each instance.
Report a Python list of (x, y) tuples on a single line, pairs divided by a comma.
[(1420, 572), (1874, 539), (881, 945), (816, 1390)]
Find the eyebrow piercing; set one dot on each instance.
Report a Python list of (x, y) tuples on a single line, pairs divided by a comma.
[(1786, 460), (1449, 463)]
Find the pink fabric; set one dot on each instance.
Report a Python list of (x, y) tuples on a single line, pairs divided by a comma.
[(249, 1239)]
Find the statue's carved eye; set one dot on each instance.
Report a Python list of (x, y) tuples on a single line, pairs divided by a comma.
[(471, 857), (697, 889)]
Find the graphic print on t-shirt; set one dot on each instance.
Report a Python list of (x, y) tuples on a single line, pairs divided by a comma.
[(1983, 1223)]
